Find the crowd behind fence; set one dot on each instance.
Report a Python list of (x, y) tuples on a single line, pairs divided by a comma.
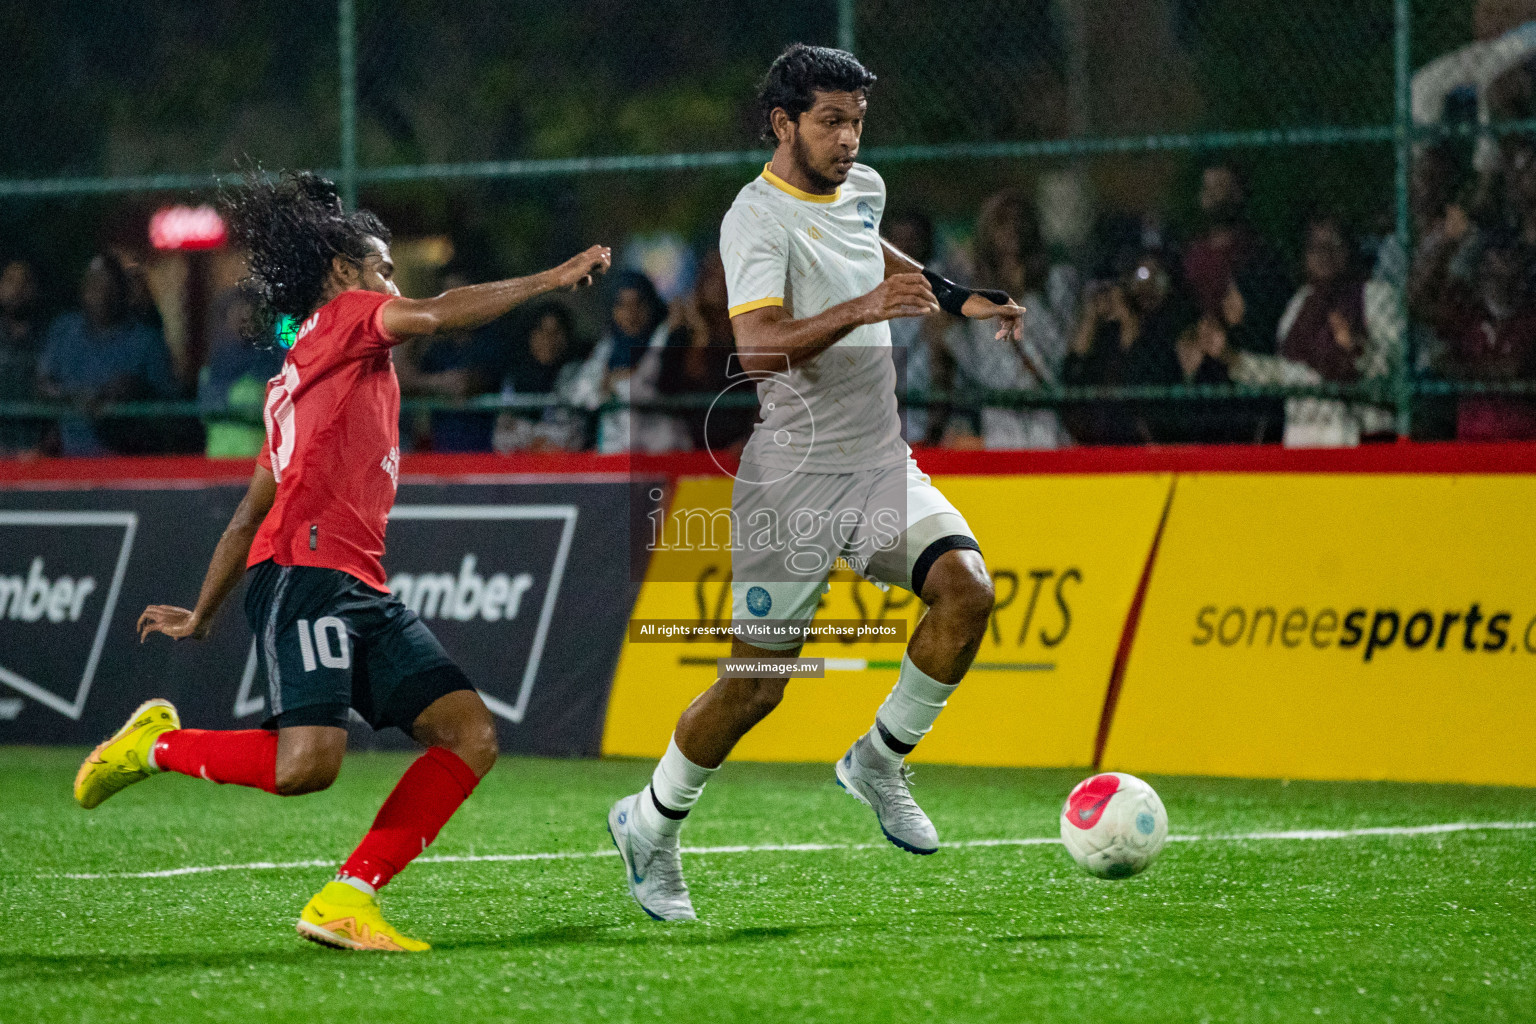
[(1348, 254)]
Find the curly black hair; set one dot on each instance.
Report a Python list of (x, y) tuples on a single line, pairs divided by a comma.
[(799, 73), (293, 225)]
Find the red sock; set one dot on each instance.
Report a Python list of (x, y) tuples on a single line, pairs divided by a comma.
[(422, 802), (244, 757)]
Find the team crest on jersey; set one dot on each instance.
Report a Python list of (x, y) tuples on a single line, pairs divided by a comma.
[(391, 465), (866, 213), (759, 601)]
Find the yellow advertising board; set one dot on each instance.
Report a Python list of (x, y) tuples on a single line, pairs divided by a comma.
[(1066, 553), (1338, 627)]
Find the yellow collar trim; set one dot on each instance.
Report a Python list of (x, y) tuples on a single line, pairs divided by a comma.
[(784, 186)]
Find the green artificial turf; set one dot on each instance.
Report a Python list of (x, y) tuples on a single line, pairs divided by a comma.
[(1374, 928)]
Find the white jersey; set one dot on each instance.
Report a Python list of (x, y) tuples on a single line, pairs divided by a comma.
[(836, 412)]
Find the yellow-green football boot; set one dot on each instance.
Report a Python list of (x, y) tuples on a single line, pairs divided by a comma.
[(345, 917), (123, 759)]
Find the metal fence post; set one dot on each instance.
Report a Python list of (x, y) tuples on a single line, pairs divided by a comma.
[(346, 32), (1402, 143), (845, 27)]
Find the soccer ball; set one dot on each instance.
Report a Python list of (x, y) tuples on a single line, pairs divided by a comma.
[(1113, 825)]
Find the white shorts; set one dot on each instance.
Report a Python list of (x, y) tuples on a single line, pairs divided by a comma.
[(793, 532)]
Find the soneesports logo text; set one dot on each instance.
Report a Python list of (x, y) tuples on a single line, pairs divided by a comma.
[(1370, 631), (465, 597), (35, 596)]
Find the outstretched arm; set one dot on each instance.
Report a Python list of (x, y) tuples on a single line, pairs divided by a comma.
[(223, 571), (994, 305), (463, 309)]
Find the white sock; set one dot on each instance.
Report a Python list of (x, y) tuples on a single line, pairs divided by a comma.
[(678, 783), (358, 884), (909, 712)]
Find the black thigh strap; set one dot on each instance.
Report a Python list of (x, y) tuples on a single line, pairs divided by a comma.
[(954, 542)]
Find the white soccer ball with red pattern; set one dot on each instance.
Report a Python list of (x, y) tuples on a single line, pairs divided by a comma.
[(1113, 825)]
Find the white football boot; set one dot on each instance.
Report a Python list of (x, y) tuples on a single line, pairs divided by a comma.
[(653, 865), (882, 785)]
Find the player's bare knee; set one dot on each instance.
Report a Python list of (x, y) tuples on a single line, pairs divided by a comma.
[(469, 733), (965, 593), (475, 744), (460, 722), (977, 597), (312, 777), (308, 759)]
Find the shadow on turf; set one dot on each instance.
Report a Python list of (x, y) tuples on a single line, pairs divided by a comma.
[(99, 966), (608, 935)]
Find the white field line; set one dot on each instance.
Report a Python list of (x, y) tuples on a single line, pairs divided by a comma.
[(1313, 835)]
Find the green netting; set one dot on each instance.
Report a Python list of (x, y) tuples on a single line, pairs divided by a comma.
[(535, 126)]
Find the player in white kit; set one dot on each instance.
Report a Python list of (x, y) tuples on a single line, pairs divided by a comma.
[(826, 474)]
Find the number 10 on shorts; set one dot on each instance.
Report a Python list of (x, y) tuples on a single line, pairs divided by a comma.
[(337, 654)]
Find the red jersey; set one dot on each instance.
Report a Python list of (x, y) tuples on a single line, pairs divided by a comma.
[(333, 443)]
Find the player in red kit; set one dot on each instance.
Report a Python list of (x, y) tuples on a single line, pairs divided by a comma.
[(310, 535)]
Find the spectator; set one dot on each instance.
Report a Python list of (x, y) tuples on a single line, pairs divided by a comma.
[(458, 365), (697, 359), (1447, 248), (1307, 422), (1230, 251), (542, 365), (1199, 359), (20, 338), (98, 355), (1306, 419), (625, 365), (139, 305), (1127, 336), (1344, 326), (1490, 76), (1012, 256), (1145, 330), (1519, 193), (1487, 323), (917, 341), (1436, 180), (233, 386)]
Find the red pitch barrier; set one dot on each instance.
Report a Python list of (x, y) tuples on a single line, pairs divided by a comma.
[(1402, 457)]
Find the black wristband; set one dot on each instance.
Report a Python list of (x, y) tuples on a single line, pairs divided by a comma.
[(951, 297)]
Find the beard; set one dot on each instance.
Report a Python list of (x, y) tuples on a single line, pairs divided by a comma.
[(802, 157)]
